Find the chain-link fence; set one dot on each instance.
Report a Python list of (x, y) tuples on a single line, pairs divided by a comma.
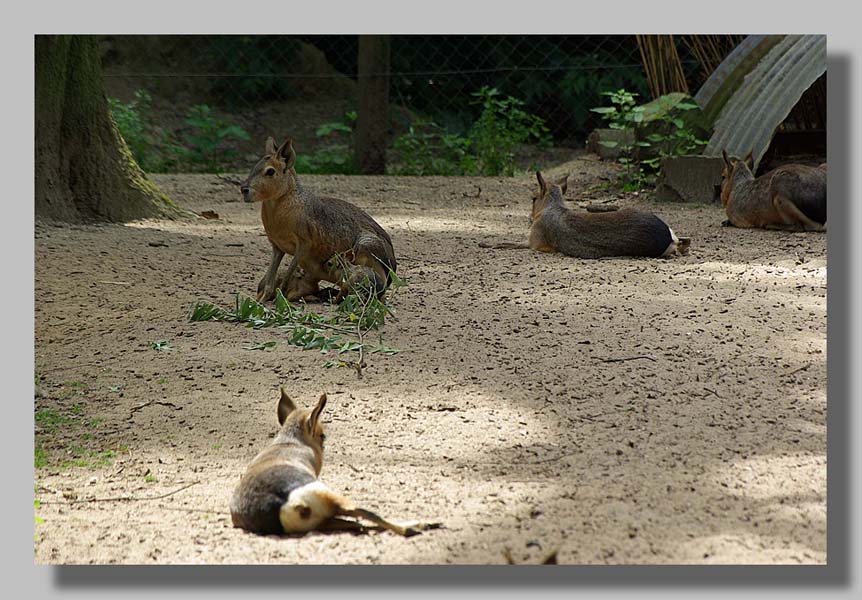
[(280, 85)]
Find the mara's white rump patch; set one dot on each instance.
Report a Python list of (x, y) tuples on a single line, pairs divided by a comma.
[(306, 508), (671, 248)]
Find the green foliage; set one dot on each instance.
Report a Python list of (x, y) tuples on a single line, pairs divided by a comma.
[(50, 420), (154, 149), (37, 520), (670, 133), (502, 126), (205, 144), (426, 149), (344, 332), (583, 85), (487, 149), (161, 345), (624, 113), (659, 131), (336, 157), (40, 458), (88, 458), (71, 432), (262, 346), (573, 71)]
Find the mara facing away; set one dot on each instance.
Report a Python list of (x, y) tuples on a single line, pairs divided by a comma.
[(329, 239), (280, 492), (791, 197), (626, 232)]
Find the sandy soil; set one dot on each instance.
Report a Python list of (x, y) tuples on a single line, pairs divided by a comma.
[(504, 417)]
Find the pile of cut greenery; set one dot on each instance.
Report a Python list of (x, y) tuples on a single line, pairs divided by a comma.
[(344, 333)]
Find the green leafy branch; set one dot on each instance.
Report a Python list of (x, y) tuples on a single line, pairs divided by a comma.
[(343, 333)]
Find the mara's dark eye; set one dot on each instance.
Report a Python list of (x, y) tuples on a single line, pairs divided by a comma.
[(269, 172), (322, 438)]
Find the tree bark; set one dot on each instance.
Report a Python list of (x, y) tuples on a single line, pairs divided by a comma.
[(372, 124), (84, 170)]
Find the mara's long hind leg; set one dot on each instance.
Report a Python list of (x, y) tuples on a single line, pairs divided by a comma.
[(336, 524), (792, 216), (405, 528), (339, 506)]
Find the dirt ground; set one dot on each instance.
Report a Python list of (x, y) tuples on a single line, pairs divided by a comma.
[(619, 411)]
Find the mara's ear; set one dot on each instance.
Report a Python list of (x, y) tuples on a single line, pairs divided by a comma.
[(270, 146), (563, 183), (543, 186), (749, 159), (315, 414), (285, 407), (726, 158), (287, 154)]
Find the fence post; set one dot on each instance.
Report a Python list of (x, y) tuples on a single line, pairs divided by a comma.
[(372, 125)]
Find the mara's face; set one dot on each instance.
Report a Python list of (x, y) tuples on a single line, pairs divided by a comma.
[(542, 197), (538, 204), (267, 177), (313, 433), (303, 424)]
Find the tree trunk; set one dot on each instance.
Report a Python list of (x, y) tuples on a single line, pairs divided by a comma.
[(84, 170), (372, 124)]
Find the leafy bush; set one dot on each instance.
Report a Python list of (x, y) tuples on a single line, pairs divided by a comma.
[(155, 149), (204, 146), (426, 149), (337, 156), (487, 149), (502, 126), (583, 84), (660, 131)]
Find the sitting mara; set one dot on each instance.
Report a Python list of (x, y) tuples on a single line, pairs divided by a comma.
[(329, 239)]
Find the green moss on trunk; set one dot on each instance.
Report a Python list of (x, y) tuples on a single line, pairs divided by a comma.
[(84, 169)]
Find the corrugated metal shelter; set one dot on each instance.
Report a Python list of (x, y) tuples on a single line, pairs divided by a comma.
[(778, 70)]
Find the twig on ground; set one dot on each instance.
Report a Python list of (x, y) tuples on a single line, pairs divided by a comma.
[(795, 371), (194, 510), (505, 246), (151, 402), (613, 360), (123, 498), (476, 195)]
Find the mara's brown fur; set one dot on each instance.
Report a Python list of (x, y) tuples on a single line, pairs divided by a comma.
[(626, 232), (791, 197), (314, 230), (280, 491)]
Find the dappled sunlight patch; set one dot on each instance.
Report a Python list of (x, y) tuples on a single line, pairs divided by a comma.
[(446, 224), (789, 479), (810, 272), (747, 549), (204, 228)]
